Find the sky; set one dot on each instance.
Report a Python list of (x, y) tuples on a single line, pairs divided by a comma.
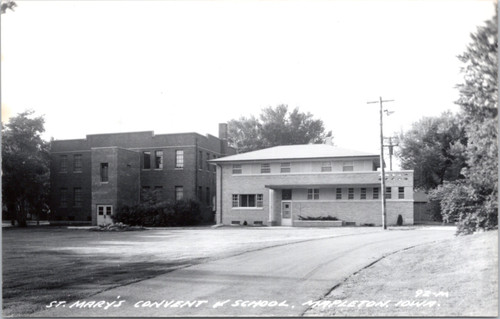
[(184, 66)]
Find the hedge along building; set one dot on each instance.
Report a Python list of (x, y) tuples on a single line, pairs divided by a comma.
[(275, 186), (92, 177)]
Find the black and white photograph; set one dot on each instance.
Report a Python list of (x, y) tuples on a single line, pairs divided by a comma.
[(249, 158)]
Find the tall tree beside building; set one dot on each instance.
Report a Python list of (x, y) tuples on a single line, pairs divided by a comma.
[(25, 166), (479, 104), (433, 148), (471, 199), (275, 126)]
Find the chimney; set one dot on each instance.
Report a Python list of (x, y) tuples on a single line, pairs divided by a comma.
[(223, 131)]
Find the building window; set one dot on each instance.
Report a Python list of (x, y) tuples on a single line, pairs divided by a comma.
[(104, 173), (64, 197), (200, 193), (286, 194), (265, 168), (146, 160), (338, 193), (179, 192), (348, 167), (363, 193), (77, 197), (237, 169), (206, 162), (77, 163), (179, 159), (388, 193), (247, 200), (326, 166), (158, 159), (145, 193), (375, 193), (63, 163), (215, 166), (235, 200), (200, 160), (350, 193), (158, 192), (286, 167), (401, 192), (313, 193), (260, 200), (207, 195)]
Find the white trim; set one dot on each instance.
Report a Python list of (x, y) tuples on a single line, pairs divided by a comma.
[(318, 173), (247, 208), (349, 200)]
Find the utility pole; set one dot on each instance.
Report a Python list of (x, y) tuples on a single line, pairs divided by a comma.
[(391, 149), (384, 213)]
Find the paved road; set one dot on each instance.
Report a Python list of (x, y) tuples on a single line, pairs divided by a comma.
[(279, 279)]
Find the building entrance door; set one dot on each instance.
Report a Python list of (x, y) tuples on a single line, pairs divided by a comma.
[(286, 213), (104, 213)]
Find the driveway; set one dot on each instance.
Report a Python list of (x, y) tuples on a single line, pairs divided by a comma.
[(275, 281)]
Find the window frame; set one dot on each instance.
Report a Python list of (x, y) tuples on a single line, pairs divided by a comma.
[(63, 163), (401, 192), (376, 193), (63, 198), (106, 171), (146, 154), (77, 168), (77, 197), (388, 192), (237, 169), (350, 193), (362, 194), (158, 164), (313, 194), (348, 166), (265, 168), (326, 166), (179, 159), (247, 201), (285, 167), (338, 193), (179, 190)]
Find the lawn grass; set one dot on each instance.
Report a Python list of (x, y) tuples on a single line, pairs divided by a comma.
[(464, 268), (44, 264)]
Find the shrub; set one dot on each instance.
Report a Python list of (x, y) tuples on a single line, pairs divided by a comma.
[(318, 218), (467, 206), (149, 214), (400, 220)]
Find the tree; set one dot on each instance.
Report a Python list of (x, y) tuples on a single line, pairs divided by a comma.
[(25, 166), (275, 126), (245, 135), (433, 148), (473, 202), (9, 4)]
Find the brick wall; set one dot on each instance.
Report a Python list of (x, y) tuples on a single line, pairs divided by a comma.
[(357, 210), (123, 148)]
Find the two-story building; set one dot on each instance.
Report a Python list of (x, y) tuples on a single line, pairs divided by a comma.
[(278, 185), (92, 177)]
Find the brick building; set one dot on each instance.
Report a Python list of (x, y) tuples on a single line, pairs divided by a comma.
[(275, 186), (91, 177)]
